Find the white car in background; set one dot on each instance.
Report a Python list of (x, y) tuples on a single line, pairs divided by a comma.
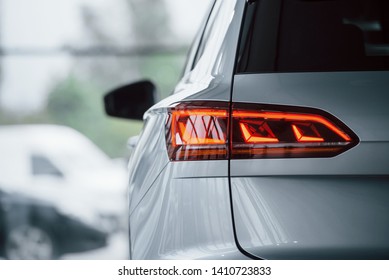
[(59, 165)]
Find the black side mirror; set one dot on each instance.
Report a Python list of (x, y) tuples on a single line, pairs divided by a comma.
[(130, 101)]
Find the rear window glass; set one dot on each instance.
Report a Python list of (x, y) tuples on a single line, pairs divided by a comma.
[(315, 35)]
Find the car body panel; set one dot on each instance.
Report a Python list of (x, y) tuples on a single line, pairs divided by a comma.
[(319, 217), (170, 214), (148, 159), (321, 208), (210, 78), (183, 218), (370, 159)]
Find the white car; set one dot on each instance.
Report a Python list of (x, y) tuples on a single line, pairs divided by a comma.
[(275, 142), (63, 167)]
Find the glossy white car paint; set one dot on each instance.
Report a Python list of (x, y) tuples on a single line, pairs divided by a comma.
[(281, 208)]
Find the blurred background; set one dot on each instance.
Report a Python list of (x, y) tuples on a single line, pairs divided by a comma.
[(62, 160)]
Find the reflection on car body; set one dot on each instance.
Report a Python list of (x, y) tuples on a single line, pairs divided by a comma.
[(274, 144)]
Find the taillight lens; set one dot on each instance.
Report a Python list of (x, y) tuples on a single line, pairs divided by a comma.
[(199, 132), (287, 132)]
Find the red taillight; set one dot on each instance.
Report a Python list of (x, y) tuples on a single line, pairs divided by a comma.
[(198, 132), (286, 134)]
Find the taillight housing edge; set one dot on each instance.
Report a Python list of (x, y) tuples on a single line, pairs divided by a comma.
[(213, 130)]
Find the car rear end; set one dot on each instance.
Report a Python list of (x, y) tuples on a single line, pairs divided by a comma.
[(274, 144), (299, 191)]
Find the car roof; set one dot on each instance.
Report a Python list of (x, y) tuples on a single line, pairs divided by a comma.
[(44, 138)]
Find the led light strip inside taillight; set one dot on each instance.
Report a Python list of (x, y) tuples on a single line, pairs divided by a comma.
[(266, 133), (198, 132)]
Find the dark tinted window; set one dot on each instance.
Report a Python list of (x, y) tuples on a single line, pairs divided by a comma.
[(313, 35), (43, 166)]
